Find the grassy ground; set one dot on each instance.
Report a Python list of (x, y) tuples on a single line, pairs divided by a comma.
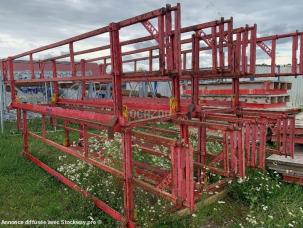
[(27, 192)]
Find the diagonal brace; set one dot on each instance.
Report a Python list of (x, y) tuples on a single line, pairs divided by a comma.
[(151, 29)]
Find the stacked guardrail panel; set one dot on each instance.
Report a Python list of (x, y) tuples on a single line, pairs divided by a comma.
[(171, 54), (253, 94)]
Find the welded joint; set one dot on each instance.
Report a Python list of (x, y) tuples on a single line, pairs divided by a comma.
[(113, 26)]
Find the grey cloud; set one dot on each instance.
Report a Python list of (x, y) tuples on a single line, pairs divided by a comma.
[(28, 24)]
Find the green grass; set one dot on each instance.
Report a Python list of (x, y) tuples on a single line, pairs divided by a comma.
[(27, 192)]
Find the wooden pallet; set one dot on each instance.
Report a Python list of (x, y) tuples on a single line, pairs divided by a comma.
[(290, 168)]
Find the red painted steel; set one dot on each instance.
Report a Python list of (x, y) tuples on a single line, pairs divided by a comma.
[(241, 133), (100, 204)]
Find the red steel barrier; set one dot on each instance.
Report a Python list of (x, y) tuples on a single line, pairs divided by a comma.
[(241, 133)]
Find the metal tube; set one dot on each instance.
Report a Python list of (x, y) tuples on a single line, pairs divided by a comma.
[(100, 204)]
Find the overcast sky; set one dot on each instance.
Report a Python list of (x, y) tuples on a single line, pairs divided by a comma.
[(27, 24)]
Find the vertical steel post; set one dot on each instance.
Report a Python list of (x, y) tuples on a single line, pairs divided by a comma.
[(150, 59), (233, 160), (105, 64), (235, 81), (103, 67), (4, 70), (273, 57), (46, 92), (177, 55), (184, 61), (214, 48), (25, 133), (72, 59), (161, 44), (262, 146), (294, 54), (55, 88), (244, 46), (236, 94), (247, 144), (189, 177), (85, 140), (253, 43), (180, 171), (184, 133), (279, 134), (241, 153), (201, 152), (41, 68), (66, 141), (284, 143), (221, 40), (83, 87), (169, 49), (32, 68), (174, 165), (12, 79), (19, 127), (116, 61), (128, 186), (56, 84), (230, 43), (182, 174), (292, 136), (238, 53), (225, 154), (195, 68), (254, 146)]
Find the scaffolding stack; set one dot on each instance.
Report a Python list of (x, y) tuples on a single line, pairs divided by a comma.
[(169, 53)]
